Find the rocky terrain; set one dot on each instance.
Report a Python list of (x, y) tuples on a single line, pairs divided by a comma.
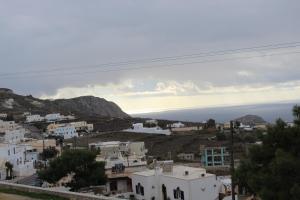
[(251, 120), (85, 106)]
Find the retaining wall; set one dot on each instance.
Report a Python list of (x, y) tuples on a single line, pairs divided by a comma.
[(65, 194)]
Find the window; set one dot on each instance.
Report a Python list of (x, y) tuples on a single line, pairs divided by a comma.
[(217, 151), (218, 158), (209, 152), (139, 189), (8, 152), (178, 194), (209, 158)]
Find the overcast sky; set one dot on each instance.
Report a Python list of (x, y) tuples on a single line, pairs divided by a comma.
[(63, 49)]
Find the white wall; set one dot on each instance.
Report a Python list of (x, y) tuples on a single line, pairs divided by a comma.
[(149, 184), (14, 136), (207, 187), (34, 118), (53, 117), (66, 132), (15, 154), (202, 188)]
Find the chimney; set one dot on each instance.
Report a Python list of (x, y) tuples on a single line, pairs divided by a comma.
[(167, 166)]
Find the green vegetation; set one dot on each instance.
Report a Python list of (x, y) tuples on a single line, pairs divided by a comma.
[(31, 194), (9, 170), (271, 170), (49, 153), (221, 136), (80, 164)]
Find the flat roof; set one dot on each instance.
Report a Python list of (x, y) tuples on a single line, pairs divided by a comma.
[(179, 173)]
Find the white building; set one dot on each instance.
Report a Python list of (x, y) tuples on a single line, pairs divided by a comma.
[(177, 125), (175, 183), (151, 121), (34, 118), (3, 115), (115, 152), (139, 128), (66, 131), (12, 136), (121, 160), (82, 126), (7, 125), (14, 152), (186, 156), (246, 127), (53, 117), (26, 114)]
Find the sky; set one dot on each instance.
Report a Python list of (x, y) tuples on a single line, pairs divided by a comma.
[(156, 55)]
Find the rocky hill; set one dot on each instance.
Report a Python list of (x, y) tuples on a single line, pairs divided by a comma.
[(85, 106), (251, 120)]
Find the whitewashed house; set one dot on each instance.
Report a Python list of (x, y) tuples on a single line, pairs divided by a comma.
[(139, 128), (34, 118), (168, 182), (82, 126), (7, 125), (53, 117), (115, 152), (3, 115), (13, 151), (177, 125), (66, 131), (15, 154), (121, 160)]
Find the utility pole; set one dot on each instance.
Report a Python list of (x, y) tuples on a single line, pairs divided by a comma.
[(170, 155), (232, 124), (43, 144)]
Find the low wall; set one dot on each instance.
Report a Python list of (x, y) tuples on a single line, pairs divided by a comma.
[(65, 194)]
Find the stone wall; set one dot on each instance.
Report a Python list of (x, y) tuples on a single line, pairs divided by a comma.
[(65, 194)]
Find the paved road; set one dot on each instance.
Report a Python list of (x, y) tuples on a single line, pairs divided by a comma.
[(13, 197)]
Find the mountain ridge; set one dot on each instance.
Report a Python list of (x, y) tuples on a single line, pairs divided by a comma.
[(81, 106)]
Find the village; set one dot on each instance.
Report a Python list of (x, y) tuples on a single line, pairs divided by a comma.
[(133, 171)]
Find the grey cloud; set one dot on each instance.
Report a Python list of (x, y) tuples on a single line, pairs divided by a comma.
[(45, 34)]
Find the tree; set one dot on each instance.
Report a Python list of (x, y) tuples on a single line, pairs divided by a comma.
[(296, 113), (79, 163), (211, 123), (220, 136), (10, 117), (272, 169), (49, 153), (9, 169), (162, 124)]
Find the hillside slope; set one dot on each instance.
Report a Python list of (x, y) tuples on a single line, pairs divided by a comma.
[(80, 106)]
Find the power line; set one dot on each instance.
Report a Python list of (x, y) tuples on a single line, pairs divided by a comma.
[(158, 60), (171, 58), (155, 66)]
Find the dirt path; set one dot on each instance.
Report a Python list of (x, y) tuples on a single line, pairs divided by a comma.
[(13, 197)]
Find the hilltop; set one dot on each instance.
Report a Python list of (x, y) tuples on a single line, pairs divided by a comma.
[(251, 120), (85, 106)]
